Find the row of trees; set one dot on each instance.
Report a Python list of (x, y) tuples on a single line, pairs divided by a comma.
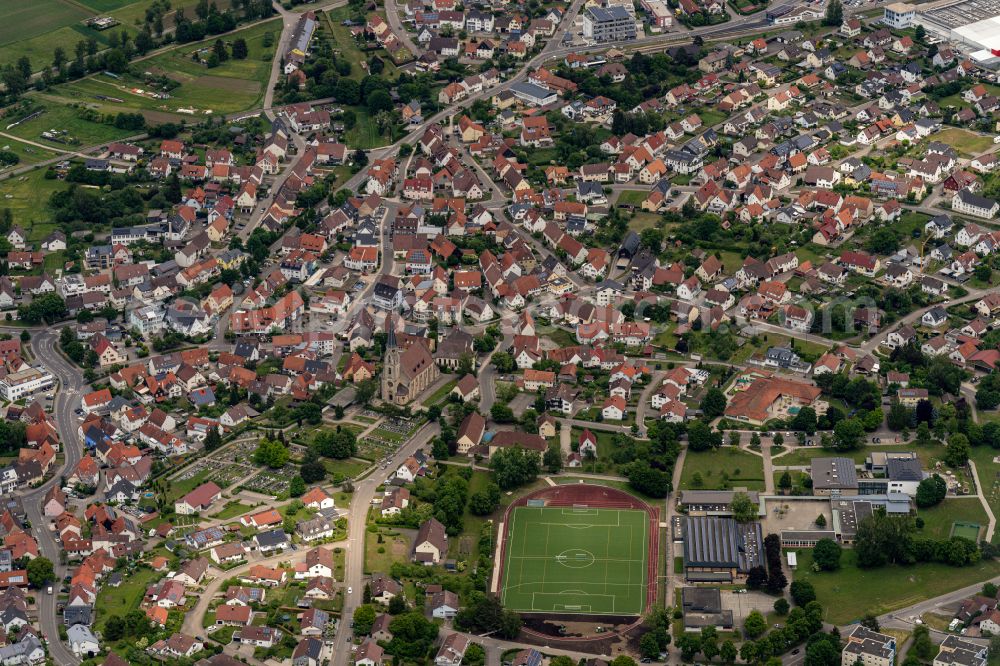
[(883, 539)]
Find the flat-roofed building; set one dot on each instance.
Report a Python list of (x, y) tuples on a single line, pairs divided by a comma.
[(958, 652), (869, 647), (834, 476)]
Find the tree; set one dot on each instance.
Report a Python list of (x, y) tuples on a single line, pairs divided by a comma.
[(756, 577), (412, 636), (805, 421), (882, 539), (220, 51), (648, 480), (365, 391), (713, 405), (552, 459), (40, 572), (755, 625), (339, 444), (364, 618), (240, 50), (312, 469), (728, 652), (870, 620), (742, 508), (958, 450), (849, 434), (397, 605), (826, 555), (213, 440), (802, 592), (623, 660), (834, 13), (931, 491), (503, 362), (701, 437), (899, 416), (502, 413), (485, 501), (514, 467), (297, 486), (649, 647), (823, 650), (48, 308), (785, 482), (271, 453), (781, 606), (114, 628), (923, 646)]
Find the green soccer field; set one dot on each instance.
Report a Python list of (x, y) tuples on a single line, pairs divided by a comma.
[(569, 560)]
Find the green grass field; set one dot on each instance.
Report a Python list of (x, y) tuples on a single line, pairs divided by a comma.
[(26, 196), (964, 141), (632, 197), (576, 561), (848, 593), (938, 520), (28, 154), (725, 468), (233, 86), (59, 117)]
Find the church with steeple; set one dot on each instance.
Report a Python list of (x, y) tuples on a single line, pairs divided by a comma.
[(406, 373)]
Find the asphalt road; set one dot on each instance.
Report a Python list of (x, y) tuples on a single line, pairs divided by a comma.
[(354, 576), (67, 399)]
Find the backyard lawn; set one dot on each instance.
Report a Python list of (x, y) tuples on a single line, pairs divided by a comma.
[(644, 220), (725, 468), (231, 510), (395, 547), (848, 593), (631, 197), (126, 597)]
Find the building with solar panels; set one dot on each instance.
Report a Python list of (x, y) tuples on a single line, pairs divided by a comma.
[(719, 549)]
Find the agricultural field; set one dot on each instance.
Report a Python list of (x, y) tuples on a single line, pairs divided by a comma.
[(35, 30), (576, 560)]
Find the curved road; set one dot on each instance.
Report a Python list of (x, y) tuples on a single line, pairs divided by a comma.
[(67, 399)]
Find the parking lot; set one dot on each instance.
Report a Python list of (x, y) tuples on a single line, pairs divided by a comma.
[(742, 604)]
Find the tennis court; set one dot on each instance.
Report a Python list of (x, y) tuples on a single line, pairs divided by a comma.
[(965, 529), (576, 560)]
